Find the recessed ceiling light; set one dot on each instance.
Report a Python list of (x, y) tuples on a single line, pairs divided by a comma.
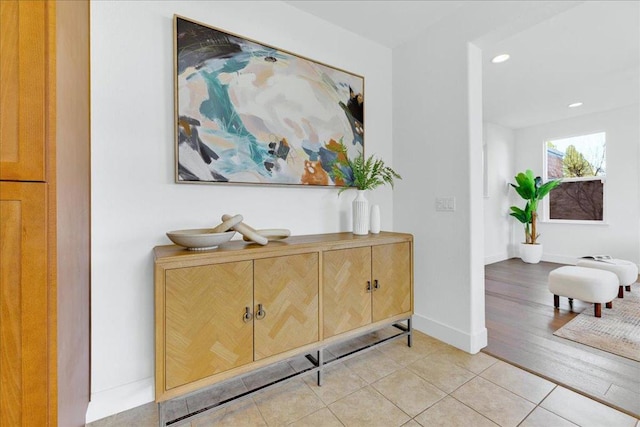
[(500, 58), (575, 104)]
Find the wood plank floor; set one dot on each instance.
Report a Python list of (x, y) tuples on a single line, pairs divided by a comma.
[(521, 319)]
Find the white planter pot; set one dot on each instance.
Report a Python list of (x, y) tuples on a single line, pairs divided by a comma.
[(360, 211), (531, 254)]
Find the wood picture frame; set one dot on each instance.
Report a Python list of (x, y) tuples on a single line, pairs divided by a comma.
[(250, 113)]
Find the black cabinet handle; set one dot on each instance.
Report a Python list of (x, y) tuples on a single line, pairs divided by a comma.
[(247, 315), (368, 285), (376, 286), (261, 313)]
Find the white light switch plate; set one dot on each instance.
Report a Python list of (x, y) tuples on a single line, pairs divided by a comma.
[(446, 204)]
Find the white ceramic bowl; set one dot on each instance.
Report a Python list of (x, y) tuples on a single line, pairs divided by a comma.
[(200, 239)]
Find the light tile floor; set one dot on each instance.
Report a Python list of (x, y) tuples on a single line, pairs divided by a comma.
[(429, 384)]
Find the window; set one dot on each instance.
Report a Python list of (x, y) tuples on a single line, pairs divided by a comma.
[(581, 163)]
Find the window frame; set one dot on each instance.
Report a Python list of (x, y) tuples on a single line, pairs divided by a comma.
[(546, 212)]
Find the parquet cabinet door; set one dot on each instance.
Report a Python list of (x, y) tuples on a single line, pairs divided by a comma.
[(23, 304), (286, 290), (346, 293), (205, 330), (23, 76), (391, 280)]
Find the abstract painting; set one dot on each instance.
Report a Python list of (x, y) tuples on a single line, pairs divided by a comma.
[(254, 114)]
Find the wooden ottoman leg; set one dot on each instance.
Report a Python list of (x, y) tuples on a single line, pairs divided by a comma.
[(609, 304), (597, 309), (556, 301), (628, 288), (621, 292)]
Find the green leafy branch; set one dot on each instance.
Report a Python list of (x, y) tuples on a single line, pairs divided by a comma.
[(364, 174)]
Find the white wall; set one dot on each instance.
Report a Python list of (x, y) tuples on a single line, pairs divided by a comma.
[(437, 130), (619, 237), (432, 149), (134, 197), (500, 142)]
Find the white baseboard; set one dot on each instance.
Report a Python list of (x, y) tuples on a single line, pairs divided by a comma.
[(560, 259), (490, 259), (471, 343), (118, 399)]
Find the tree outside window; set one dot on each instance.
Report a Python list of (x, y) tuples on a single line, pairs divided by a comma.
[(581, 163)]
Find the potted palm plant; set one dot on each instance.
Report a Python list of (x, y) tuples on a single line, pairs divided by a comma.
[(363, 174), (532, 190)]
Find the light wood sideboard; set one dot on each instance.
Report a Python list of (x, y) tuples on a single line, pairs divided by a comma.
[(226, 312)]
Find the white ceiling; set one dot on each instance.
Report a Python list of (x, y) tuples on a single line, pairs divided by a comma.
[(589, 52), (389, 23)]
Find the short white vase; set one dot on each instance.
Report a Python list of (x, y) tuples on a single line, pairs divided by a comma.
[(531, 254), (360, 212), (375, 219)]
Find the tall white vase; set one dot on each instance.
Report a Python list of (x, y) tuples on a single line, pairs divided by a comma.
[(360, 211), (375, 219)]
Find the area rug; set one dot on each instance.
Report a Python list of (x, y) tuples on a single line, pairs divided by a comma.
[(617, 331)]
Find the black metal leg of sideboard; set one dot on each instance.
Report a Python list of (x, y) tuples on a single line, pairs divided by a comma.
[(161, 420), (410, 336), (320, 363)]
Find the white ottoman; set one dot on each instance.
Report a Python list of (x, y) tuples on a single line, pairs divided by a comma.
[(626, 271), (586, 284)]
